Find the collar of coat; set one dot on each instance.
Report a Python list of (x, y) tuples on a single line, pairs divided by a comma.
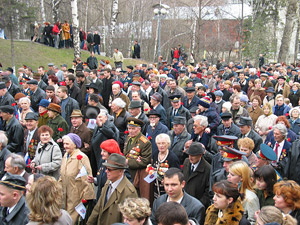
[(231, 215)]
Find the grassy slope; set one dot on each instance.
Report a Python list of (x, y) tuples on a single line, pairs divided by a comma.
[(35, 55)]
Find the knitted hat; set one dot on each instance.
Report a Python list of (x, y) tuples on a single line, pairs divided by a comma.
[(111, 146), (205, 102), (219, 93), (75, 138), (44, 103)]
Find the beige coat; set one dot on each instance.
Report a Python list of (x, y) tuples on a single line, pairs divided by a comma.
[(106, 214), (74, 190)]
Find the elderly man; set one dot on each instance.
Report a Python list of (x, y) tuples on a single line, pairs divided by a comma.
[(12, 88), (14, 209), (196, 171), (135, 110), (4, 152), (176, 110), (199, 126), (245, 125), (190, 100), (118, 93), (37, 94), (15, 164), (174, 184), (104, 130), (117, 188), (179, 136), (237, 110), (155, 100), (228, 127), (138, 151), (13, 129), (31, 137), (79, 128)]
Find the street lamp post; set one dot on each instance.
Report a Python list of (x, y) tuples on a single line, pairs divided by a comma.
[(160, 11)]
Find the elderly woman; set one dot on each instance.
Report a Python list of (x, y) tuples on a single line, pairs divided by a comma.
[(239, 175), (247, 145), (280, 109), (295, 120), (44, 201), (75, 169), (136, 211), (226, 208), (162, 161), (291, 136), (107, 148), (24, 108), (270, 97), (56, 122), (48, 155), (255, 110), (265, 121), (272, 215), (287, 198), (120, 116)]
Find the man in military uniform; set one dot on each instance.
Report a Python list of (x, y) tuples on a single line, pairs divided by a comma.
[(138, 151)]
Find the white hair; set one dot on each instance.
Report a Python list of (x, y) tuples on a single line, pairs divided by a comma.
[(119, 102), (25, 99), (203, 120)]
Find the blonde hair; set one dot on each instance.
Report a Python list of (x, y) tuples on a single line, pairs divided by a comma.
[(246, 142), (241, 169), (270, 214), (135, 208), (268, 105), (45, 200)]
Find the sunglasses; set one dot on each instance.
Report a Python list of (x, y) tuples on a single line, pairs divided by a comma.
[(110, 169)]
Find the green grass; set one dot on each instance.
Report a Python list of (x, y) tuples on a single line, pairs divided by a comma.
[(35, 55)]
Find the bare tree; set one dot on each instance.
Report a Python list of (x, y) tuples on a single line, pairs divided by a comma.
[(290, 23), (113, 21), (75, 25)]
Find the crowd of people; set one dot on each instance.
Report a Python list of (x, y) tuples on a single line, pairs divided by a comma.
[(153, 144)]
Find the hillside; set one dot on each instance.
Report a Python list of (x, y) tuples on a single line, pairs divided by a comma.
[(35, 55)]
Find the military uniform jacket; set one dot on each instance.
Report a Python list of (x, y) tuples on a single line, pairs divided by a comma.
[(18, 216), (104, 214), (141, 142)]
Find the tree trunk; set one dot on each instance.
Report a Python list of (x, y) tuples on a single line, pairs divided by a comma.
[(193, 44), (131, 35), (43, 14), (104, 33), (113, 21), (86, 15), (297, 35), (290, 22), (75, 25), (55, 7), (12, 46)]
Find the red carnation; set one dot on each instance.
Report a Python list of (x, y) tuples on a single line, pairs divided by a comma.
[(181, 103), (13, 104), (203, 94), (270, 128), (79, 157), (289, 139), (21, 83), (62, 83), (60, 129), (126, 132), (181, 166), (287, 114), (84, 201), (149, 138), (146, 110)]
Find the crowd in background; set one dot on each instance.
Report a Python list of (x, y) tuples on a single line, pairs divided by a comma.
[(164, 143)]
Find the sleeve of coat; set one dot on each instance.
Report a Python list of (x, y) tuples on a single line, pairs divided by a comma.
[(56, 161), (94, 215), (16, 139), (146, 152)]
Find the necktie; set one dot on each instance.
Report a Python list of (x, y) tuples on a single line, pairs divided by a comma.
[(174, 112), (28, 139), (192, 169), (108, 193), (276, 148)]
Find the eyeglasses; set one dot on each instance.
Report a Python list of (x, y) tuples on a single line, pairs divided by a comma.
[(152, 117)]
